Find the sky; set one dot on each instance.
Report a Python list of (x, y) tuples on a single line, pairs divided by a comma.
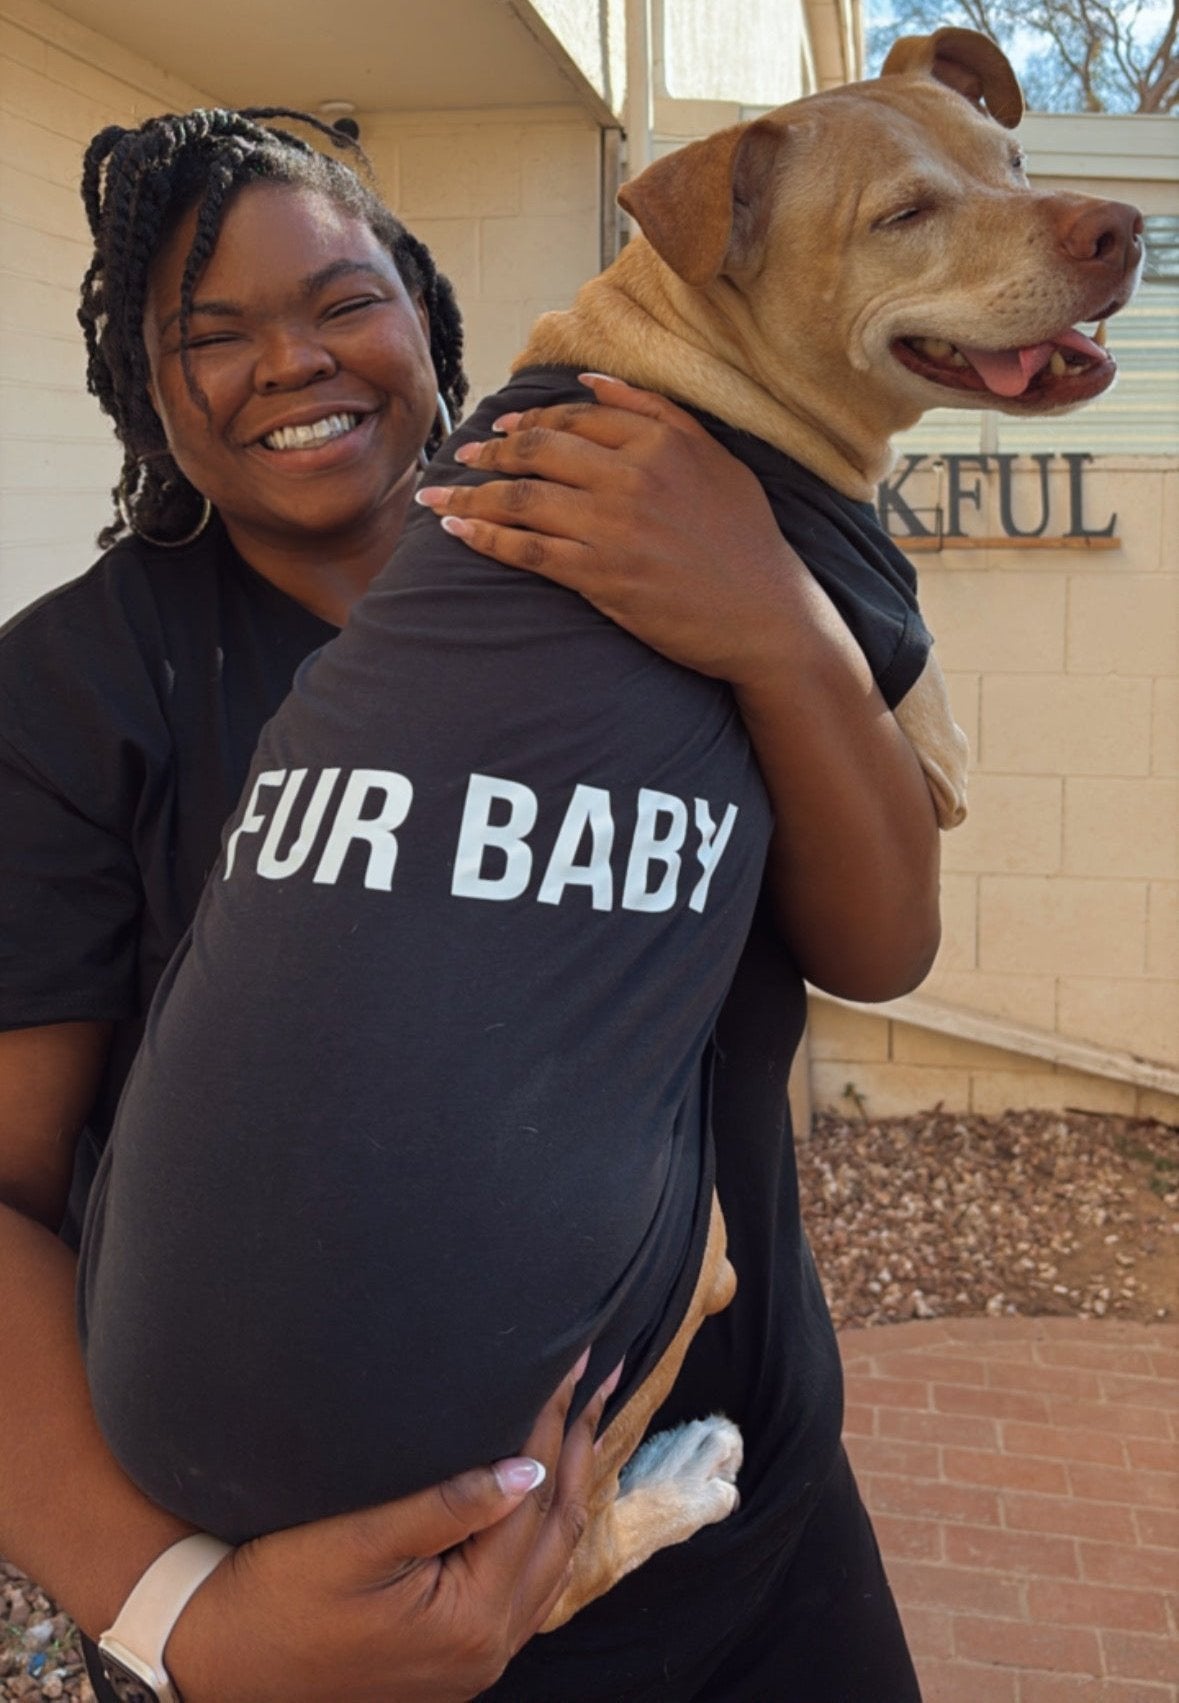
[(1151, 20)]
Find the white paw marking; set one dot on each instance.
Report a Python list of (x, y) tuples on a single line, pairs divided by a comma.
[(703, 1454)]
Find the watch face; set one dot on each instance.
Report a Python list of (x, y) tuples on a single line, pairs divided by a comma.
[(128, 1687)]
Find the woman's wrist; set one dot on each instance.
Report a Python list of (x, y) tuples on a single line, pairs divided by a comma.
[(202, 1639)]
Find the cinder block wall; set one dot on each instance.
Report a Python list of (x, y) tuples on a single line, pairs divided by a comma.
[(1061, 892), (507, 201), (59, 84)]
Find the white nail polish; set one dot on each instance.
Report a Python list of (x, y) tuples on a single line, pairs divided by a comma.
[(522, 1474)]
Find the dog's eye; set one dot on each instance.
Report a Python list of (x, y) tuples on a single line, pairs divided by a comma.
[(903, 216), (1019, 160)]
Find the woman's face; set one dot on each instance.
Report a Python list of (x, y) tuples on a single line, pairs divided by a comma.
[(313, 359)]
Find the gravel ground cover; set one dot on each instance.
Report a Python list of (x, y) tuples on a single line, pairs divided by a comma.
[(943, 1214), (926, 1216)]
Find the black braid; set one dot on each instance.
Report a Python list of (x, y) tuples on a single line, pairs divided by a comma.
[(136, 186)]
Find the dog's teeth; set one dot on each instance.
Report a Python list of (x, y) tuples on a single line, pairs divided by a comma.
[(958, 359), (937, 348), (1100, 335), (1057, 366)]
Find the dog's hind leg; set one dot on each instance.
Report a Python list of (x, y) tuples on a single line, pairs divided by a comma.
[(678, 1482), (647, 1494)]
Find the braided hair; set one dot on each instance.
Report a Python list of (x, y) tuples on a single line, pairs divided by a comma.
[(136, 186)]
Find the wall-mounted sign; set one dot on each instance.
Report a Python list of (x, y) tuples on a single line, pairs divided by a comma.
[(959, 496)]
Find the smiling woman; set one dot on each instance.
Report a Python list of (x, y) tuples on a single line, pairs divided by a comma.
[(349, 318), (295, 399), (275, 350)]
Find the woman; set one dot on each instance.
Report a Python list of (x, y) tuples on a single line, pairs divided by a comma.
[(318, 549), (106, 846)]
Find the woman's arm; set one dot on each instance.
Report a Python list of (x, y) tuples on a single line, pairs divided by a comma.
[(346, 1608), (636, 507)]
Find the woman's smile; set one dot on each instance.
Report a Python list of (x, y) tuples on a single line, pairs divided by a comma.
[(320, 444), (309, 435)]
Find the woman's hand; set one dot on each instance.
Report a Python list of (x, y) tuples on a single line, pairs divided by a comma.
[(425, 1600), (636, 507)]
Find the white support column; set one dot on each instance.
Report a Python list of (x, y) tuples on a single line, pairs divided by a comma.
[(639, 105)]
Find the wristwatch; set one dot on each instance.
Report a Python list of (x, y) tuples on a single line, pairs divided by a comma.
[(132, 1651)]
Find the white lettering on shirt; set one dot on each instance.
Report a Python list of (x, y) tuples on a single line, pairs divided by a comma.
[(251, 822), (649, 847), (713, 841), (478, 834), (270, 864), (379, 830), (493, 858), (588, 808)]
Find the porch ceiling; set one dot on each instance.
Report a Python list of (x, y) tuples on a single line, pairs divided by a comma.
[(401, 55)]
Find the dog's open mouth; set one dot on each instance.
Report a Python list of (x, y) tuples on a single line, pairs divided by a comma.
[(1068, 368)]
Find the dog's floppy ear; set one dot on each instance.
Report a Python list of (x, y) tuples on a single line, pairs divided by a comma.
[(703, 209), (966, 61)]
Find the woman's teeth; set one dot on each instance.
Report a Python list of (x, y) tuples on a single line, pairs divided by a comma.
[(305, 437)]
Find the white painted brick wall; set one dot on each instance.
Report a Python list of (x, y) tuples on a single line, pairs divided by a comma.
[(1061, 892), (59, 84), (508, 203)]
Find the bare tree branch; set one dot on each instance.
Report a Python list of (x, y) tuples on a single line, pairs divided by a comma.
[(1086, 55), (1160, 77)]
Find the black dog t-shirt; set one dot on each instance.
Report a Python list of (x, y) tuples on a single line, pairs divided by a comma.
[(422, 1107)]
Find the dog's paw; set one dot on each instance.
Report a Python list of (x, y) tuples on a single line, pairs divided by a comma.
[(704, 1452)]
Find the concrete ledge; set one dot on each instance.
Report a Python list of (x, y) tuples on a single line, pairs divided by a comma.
[(1007, 1036)]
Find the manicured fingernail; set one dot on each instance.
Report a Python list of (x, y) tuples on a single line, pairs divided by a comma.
[(579, 1369), (611, 1384), (467, 452), (506, 423), (521, 1474), (607, 378), (455, 524), (432, 496)]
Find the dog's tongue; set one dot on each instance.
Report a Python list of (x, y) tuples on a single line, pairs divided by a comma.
[(1008, 372)]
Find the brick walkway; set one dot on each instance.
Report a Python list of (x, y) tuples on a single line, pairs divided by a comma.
[(1023, 1476)]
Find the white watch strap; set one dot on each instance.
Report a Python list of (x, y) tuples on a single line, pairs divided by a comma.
[(146, 1619)]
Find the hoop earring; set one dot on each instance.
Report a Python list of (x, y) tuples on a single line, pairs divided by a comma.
[(443, 425), (124, 507)]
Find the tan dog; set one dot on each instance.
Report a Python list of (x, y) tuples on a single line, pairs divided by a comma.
[(820, 277)]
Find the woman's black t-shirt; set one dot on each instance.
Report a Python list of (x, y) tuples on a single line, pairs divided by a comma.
[(130, 706)]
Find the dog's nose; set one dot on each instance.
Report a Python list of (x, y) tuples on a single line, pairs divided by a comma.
[(1106, 232)]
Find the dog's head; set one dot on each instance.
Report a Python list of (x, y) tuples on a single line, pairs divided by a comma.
[(888, 228)]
